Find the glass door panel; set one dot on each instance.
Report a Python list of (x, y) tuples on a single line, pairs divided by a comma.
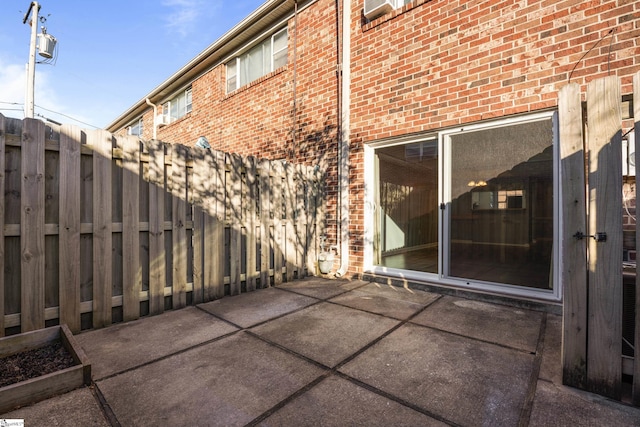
[(500, 214), (407, 199)]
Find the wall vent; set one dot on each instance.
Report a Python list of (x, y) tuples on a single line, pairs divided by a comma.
[(375, 8)]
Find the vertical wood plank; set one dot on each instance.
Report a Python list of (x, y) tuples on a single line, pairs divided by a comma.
[(102, 227), (32, 226), (604, 343), (235, 220), (574, 251), (636, 130), (250, 197), (198, 180), (132, 270), (157, 272), (290, 214), (301, 221), (278, 231), (312, 237), (213, 207), (69, 237), (179, 235), (2, 220), (264, 177)]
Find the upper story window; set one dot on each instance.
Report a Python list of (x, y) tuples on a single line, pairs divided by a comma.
[(177, 107), (136, 128), (258, 61)]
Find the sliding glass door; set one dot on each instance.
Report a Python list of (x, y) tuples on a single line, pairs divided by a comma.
[(408, 206), (472, 206), (499, 213)]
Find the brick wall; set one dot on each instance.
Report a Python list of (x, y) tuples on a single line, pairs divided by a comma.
[(435, 64), (429, 65)]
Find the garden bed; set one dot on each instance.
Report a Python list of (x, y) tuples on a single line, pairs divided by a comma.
[(50, 360)]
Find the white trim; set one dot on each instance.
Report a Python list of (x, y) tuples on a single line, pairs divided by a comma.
[(444, 196)]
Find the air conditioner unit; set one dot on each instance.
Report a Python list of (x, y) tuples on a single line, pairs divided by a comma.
[(162, 120), (375, 8)]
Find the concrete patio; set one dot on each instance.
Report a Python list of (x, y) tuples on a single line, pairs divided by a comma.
[(332, 353)]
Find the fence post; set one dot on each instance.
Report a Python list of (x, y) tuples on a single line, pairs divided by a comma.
[(131, 268), (157, 256), (604, 343)]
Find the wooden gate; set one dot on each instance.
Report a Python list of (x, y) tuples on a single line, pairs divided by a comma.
[(592, 235)]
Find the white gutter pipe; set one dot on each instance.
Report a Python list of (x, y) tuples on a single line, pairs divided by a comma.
[(345, 136), (155, 117)]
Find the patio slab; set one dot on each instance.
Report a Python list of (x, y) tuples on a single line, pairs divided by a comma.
[(462, 380), (564, 406), (551, 367), (326, 333), (338, 402), (321, 288), (76, 408), (228, 382), (391, 301), (512, 327), (127, 345), (252, 308)]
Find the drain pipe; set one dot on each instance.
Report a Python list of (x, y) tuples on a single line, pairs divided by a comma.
[(155, 115), (345, 135)]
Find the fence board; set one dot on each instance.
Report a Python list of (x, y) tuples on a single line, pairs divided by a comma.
[(265, 219), (604, 344), (69, 237), (157, 263), (278, 231), (301, 220), (636, 365), (289, 202), (198, 182), (131, 268), (179, 235), (573, 205), (102, 233), (32, 226), (251, 198), (2, 221), (234, 217)]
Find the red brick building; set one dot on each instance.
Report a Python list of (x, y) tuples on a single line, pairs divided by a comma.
[(436, 122)]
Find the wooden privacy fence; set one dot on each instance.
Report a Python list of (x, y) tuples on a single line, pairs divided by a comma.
[(592, 264), (99, 229)]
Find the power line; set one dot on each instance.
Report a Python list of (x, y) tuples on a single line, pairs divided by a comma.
[(46, 109)]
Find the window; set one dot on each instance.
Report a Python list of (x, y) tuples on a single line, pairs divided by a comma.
[(179, 106), (136, 128), (261, 59)]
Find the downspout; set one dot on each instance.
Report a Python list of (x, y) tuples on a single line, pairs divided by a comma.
[(345, 135), (155, 115)]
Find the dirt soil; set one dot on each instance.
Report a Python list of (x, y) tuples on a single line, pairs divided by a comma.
[(34, 363)]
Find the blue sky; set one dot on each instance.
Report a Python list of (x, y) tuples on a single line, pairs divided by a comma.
[(110, 53)]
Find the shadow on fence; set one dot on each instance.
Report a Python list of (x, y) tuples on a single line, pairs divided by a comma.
[(100, 229)]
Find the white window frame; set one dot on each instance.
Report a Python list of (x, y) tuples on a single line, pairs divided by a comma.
[(167, 106), (139, 124), (234, 80), (369, 265)]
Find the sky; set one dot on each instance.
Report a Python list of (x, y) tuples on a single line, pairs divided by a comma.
[(109, 54)]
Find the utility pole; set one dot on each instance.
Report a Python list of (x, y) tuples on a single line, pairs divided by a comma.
[(31, 66)]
